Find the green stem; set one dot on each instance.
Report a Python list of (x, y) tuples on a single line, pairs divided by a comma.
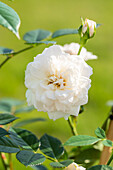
[(23, 50), (4, 61), (80, 49), (51, 159), (72, 124), (48, 157), (10, 161), (15, 53), (6, 166), (110, 159)]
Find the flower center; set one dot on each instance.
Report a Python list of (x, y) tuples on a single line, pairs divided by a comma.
[(58, 82)]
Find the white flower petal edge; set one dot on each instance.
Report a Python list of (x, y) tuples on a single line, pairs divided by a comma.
[(57, 83), (75, 166), (73, 49)]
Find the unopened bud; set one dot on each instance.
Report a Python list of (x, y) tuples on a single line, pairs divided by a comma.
[(89, 27)]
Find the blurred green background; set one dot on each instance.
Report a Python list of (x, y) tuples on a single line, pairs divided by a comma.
[(52, 15)]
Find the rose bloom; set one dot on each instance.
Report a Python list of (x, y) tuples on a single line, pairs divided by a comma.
[(75, 166), (73, 49), (89, 24), (57, 83)]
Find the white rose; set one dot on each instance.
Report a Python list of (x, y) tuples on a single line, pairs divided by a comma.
[(89, 24), (73, 49), (57, 83), (75, 166)]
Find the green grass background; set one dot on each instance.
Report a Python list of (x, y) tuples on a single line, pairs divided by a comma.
[(52, 15)]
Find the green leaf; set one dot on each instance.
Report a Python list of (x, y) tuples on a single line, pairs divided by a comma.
[(62, 164), (100, 133), (62, 32), (51, 146), (4, 50), (8, 146), (30, 158), (42, 42), (4, 107), (67, 162), (81, 140), (65, 155), (87, 157), (24, 109), (36, 35), (57, 165), (3, 132), (107, 143), (101, 167), (6, 118), (24, 138), (11, 101), (9, 18), (25, 122), (39, 167)]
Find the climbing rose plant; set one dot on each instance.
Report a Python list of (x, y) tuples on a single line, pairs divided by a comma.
[(57, 82)]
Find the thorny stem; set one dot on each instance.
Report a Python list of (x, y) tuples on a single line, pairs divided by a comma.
[(105, 156), (72, 123)]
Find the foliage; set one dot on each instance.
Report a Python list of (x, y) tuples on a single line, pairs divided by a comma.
[(31, 151), (9, 18)]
